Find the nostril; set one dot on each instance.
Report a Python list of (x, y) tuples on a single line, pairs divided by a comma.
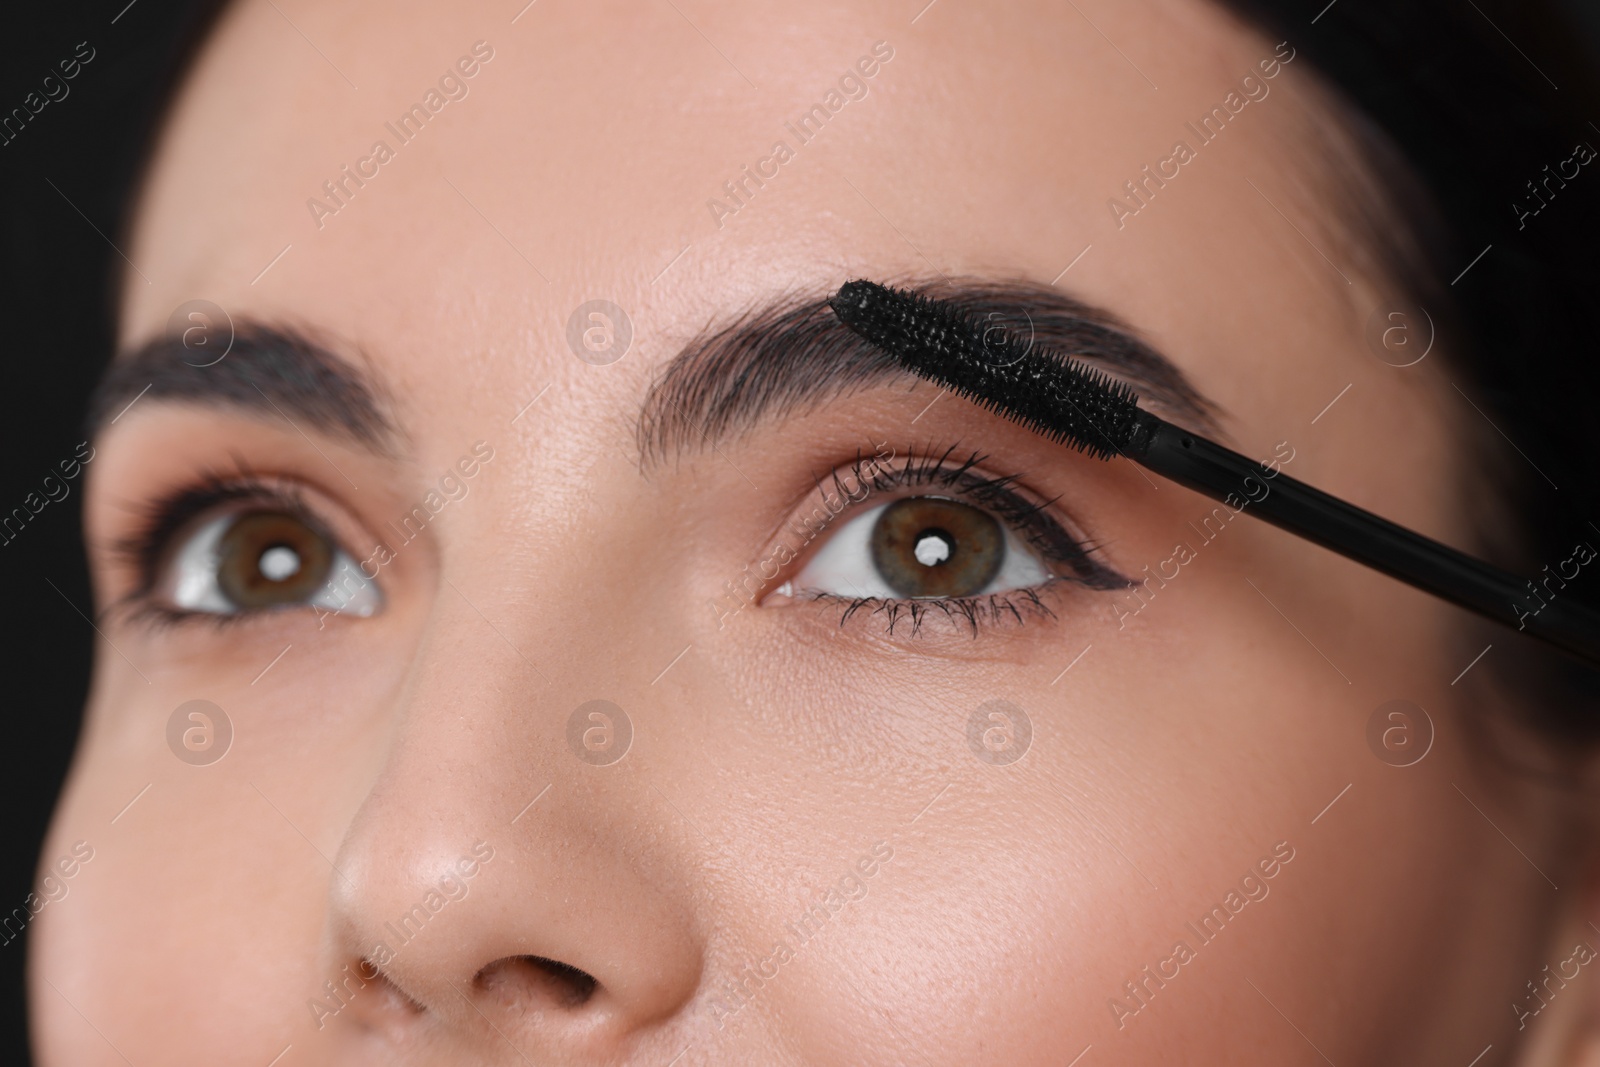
[(537, 978)]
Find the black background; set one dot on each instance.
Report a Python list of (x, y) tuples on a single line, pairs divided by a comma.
[(58, 290), (62, 187)]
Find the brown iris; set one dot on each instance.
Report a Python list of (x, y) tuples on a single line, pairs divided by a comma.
[(926, 546), (267, 559)]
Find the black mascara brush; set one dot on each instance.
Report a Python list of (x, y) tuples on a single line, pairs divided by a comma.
[(1071, 403)]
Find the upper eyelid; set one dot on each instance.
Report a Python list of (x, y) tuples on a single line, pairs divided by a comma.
[(891, 478)]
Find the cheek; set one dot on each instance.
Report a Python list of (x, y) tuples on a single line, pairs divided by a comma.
[(204, 876), (973, 892), (190, 889), (1161, 788)]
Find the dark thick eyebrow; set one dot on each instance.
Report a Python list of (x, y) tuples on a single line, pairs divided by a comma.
[(793, 355), (274, 371)]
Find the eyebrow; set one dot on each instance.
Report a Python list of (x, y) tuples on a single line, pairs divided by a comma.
[(794, 355), (788, 356), (271, 371)]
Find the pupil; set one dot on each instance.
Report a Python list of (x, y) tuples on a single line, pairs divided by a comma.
[(279, 562), (933, 548)]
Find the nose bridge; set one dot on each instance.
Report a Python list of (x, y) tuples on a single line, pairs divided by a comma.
[(489, 834)]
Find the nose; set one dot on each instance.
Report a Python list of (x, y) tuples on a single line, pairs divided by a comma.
[(495, 886)]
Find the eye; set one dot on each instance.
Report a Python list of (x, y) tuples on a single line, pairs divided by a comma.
[(243, 558), (921, 547), (970, 547)]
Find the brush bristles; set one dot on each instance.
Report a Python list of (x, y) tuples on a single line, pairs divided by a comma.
[(1061, 398)]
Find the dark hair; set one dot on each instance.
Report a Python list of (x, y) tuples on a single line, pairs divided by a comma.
[(1463, 112)]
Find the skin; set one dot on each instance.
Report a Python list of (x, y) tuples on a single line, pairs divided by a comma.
[(781, 747)]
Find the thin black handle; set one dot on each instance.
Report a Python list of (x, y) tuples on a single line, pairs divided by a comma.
[(1221, 473)]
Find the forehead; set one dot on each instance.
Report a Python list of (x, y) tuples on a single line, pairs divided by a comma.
[(443, 187)]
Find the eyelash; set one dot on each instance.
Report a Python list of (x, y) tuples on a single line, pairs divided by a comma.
[(163, 519), (1030, 520)]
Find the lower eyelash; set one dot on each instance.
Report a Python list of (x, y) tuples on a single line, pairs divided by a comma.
[(143, 610), (990, 609)]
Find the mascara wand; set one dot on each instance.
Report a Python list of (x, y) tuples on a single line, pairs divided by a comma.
[(1073, 404)]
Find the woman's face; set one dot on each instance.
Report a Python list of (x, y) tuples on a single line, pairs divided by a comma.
[(1116, 798)]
